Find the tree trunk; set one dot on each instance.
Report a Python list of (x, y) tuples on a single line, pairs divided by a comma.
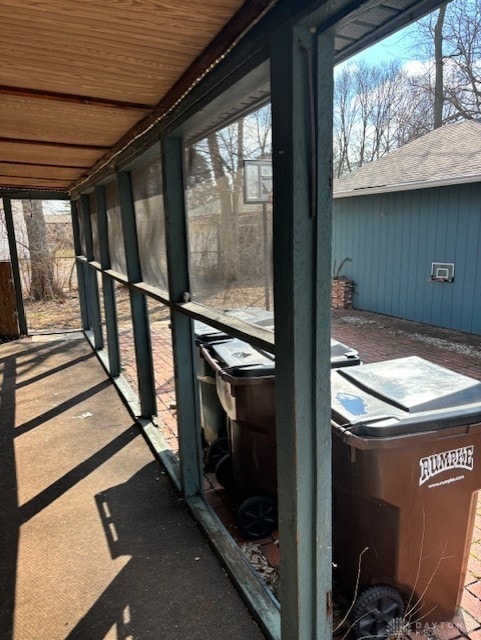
[(43, 283), (227, 248), (438, 58)]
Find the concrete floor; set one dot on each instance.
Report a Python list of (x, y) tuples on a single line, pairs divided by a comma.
[(95, 543)]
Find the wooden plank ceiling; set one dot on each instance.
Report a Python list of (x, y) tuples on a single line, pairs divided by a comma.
[(77, 75), (79, 78)]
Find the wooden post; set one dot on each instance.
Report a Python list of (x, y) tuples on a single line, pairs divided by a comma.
[(302, 86), (179, 288), (138, 304), (8, 308)]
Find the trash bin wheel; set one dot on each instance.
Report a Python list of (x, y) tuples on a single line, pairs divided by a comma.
[(215, 452), (224, 473), (257, 517), (378, 613)]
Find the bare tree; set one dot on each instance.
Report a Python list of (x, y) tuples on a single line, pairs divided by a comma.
[(44, 285), (345, 117), (439, 65), (449, 43), (369, 106), (225, 148)]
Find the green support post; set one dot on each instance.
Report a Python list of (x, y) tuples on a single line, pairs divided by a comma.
[(182, 336), (81, 267), (107, 284), (17, 281), (93, 303), (302, 89), (138, 303)]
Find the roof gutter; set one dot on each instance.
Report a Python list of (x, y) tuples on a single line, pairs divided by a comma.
[(408, 186)]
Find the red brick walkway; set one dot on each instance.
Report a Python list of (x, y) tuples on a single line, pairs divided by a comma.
[(376, 338)]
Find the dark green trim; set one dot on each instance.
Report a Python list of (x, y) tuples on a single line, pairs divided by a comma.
[(92, 287), (143, 354), (127, 211), (182, 335), (263, 604), (87, 224), (138, 304), (259, 337), (80, 266), (301, 238), (108, 287)]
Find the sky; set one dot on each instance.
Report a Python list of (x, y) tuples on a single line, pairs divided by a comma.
[(395, 47)]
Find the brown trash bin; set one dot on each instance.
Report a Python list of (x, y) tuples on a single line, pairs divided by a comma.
[(213, 419), (212, 416), (406, 469), (246, 389)]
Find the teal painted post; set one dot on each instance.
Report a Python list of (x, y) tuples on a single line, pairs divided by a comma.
[(17, 281), (301, 68), (81, 267), (107, 284), (93, 303), (179, 290), (138, 303)]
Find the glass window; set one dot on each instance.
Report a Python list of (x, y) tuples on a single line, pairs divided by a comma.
[(128, 362), (229, 205), (94, 225), (150, 221), (115, 231)]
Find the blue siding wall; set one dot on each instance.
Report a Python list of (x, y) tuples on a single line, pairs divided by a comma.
[(392, 239)]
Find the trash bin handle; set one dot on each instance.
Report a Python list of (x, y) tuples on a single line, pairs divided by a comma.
[(209, 359), (226, 375), (362, 420)]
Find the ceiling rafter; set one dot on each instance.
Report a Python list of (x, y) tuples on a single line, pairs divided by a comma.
[(47, 143), (73, 99), (43, 164)]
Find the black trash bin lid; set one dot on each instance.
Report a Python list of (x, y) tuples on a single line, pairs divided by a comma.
[(204, 333), (406, 395), (242, 359)]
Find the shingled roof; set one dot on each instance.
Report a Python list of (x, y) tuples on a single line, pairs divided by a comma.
[(448, 155)]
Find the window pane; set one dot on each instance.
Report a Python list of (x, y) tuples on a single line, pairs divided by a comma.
[(229, 205), (115, 232), (149, 218), (128, 361), (94, 225), (161, 336)]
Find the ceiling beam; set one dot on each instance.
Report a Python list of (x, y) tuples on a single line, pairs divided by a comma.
[(40, 164), (65, 145), (72, 99), (29, 193)]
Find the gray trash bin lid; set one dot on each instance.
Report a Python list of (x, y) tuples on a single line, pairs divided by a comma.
[(407, 395), (204, 333), (243, 360)]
